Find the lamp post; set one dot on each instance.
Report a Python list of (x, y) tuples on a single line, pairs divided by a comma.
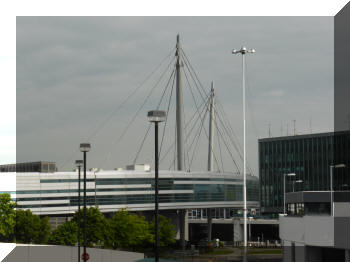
[(243, 51), (284, 190), (331, 169), (156, 116), (297, 181), (79, 163), (85, 147)]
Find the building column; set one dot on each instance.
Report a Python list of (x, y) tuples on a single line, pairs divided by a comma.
[(347, 255), (288, 253), (237, 231), (183, 227), (300, 252), (209, 223)]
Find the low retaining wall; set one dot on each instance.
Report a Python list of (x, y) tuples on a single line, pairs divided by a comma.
[(40, 253)]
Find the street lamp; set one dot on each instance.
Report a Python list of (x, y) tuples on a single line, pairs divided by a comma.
[(297, 181), (243, 51), (331, 168), (156, 116), (284, 190), (79, 163), (85, 147)]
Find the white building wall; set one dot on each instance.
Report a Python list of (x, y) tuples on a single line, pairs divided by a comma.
[(308, 230), (341, 209)]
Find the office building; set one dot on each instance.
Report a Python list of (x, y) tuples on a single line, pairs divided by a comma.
[(316, 227), (309, 157), (39, 166)]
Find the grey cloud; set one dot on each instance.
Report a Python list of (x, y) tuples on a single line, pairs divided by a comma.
[(74, 71)]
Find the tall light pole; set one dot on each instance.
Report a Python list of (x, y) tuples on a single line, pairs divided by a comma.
[(243, 51), (85, 147), (284, 190), (331, 168), (156, 116), (79, 163)]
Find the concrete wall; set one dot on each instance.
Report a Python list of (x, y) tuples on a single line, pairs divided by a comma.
[(342, 209), (308, 230), (33, 253), (319, 231), (342, 232), (238, 233), (292, 229)]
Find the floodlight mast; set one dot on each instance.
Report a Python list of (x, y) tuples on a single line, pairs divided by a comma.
[(243, 51)]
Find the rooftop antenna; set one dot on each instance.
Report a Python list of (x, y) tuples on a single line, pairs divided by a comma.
[(269, 129), (310, 125), (287, 129), (281, 128), (294, 126)]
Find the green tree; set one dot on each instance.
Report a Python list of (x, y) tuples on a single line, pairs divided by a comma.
[(30, 228), (128, 231), (7, 217), (96, 226), (166, 231), (65, 234)]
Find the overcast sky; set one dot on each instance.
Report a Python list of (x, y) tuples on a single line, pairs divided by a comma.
[(73, 72)]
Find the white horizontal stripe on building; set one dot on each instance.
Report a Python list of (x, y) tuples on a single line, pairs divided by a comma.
[(43, 202), (54, 194), (149, 206), (194, 182), (148, 192), (124, 186)]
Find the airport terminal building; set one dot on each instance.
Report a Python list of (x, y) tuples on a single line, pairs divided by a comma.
[(55, 194)]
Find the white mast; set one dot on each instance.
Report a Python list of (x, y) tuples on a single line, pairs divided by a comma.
[(211, 129), (179, 110), (243, 51)]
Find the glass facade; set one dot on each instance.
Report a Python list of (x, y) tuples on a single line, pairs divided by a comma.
[(219, 213), (309, 209), (124, 189), (41, 166), (309, 157)]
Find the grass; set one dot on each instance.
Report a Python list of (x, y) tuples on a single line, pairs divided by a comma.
[(220, 251), (264, 251)]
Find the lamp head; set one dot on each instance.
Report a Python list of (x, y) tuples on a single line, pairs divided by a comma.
[(79, 163), (339, 165), (156, 116), (291, 174), (85, 147)]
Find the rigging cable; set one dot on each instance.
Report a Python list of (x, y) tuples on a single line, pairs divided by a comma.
[(227, 147), (136, 114), (166, 118), (186, 126), (204, 105), (108, 118), (194, 100), (149, 126), (222, 163)]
